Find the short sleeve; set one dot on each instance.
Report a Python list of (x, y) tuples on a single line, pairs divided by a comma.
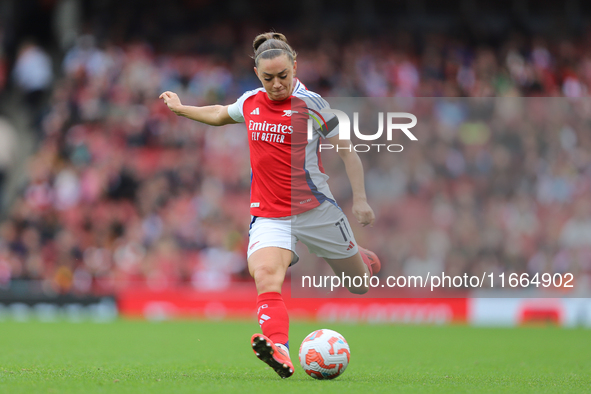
[(331, 124), (315, 105), (235, 110)]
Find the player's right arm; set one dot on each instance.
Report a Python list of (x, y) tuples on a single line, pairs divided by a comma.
[(214, 115)]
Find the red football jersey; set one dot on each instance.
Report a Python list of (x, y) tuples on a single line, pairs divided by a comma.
[(287, 177)]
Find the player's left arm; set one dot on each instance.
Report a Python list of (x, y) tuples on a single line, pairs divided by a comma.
[(361, 209)]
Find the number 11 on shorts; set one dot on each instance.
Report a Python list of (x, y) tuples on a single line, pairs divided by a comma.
[(341, 224)]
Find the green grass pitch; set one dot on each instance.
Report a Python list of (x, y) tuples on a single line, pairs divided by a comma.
[(215, 357)]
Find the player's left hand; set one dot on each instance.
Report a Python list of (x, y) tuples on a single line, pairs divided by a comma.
[(363, 213)]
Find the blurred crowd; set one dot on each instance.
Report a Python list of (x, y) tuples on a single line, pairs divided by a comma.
[(122, 193), (493, 185)]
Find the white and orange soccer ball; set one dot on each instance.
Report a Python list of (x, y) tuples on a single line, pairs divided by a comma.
[(324, 354)]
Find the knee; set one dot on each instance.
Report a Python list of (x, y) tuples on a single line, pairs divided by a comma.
[(263, 272), (267, 278)]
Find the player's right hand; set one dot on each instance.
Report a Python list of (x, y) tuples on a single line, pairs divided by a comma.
[(172, 101)]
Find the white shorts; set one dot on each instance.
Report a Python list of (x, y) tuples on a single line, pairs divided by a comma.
[(325, 230)]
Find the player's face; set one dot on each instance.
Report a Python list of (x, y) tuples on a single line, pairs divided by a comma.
[(277, 76)]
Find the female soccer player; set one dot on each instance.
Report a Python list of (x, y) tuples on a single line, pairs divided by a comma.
[(290, 199)]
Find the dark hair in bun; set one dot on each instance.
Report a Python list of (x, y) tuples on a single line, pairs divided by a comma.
[(270, 45)]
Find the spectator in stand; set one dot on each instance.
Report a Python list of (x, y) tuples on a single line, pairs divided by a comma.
[(33, 74), (7, 153)]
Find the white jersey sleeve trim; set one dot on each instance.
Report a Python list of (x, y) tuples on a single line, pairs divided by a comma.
[(236, 111)]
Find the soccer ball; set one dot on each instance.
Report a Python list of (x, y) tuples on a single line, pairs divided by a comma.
[(324, 354)]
